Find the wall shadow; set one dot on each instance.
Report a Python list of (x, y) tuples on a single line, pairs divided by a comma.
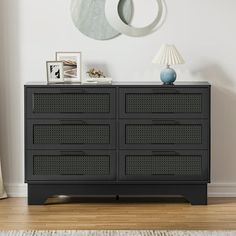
[(223, 101)]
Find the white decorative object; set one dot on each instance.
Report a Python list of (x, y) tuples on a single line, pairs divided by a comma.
[(106, 80), (113, 17), (168, 55)]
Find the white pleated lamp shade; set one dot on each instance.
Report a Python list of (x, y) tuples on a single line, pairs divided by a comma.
[(168, 55)]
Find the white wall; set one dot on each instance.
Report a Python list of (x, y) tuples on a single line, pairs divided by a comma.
[(204, 31)]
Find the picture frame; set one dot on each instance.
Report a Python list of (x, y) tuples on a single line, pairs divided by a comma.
[(71, 65), (55, 72)]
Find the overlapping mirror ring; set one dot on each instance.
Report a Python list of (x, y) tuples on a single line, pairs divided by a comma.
[(114, 19)]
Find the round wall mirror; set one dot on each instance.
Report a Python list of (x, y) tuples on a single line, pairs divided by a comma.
[(89, 17)]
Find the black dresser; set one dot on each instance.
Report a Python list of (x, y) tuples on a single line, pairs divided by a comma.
[(120, 139)]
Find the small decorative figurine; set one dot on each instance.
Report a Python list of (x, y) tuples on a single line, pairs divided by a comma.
[(94, 73)]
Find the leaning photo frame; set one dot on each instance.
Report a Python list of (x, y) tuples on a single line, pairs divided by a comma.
[(71, 66), (55, 73)]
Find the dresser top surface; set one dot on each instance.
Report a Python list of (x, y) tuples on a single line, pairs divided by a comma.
[(122, 84)]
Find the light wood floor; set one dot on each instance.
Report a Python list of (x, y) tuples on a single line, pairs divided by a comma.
[(124, 214)]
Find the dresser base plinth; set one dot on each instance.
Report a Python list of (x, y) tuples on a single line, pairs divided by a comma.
[(196, 194)]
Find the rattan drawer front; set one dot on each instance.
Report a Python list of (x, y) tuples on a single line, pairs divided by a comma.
[(160, 102), (51, 134), (180, 134), (151, 165), (71, 134), (163, 134), (163, 103), (71, 165), (71, 102), (163, 165)]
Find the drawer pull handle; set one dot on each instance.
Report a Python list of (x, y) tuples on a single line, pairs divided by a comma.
[(172, 153), (74, 122), (168, 122), (163, 174), (72, 90), (72, 153), (162, 90)]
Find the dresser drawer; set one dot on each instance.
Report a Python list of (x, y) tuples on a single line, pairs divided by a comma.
[(83, 165), (71, 134), (163, 165), (164, 102), (173, 134), (70, 102)]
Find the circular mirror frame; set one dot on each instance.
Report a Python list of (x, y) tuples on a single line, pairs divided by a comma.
[(112, 15)]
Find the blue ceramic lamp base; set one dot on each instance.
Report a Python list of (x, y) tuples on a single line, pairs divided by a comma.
[(168, 76)]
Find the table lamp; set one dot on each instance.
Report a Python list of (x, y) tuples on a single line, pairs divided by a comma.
[(168, 55)]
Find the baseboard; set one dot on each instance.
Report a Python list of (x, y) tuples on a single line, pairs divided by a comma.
[(214, 190), (222, 190)]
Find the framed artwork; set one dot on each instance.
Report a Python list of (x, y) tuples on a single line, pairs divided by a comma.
[(55, 72), (71, 65)]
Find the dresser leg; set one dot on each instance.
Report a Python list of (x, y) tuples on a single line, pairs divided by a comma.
[(117, 197), (36, 197), (197, 195)]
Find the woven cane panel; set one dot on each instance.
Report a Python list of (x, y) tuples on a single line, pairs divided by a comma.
[(163, 103), (163, 165), (71, 165), (163, 134), (71, 103), (71, 134)]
